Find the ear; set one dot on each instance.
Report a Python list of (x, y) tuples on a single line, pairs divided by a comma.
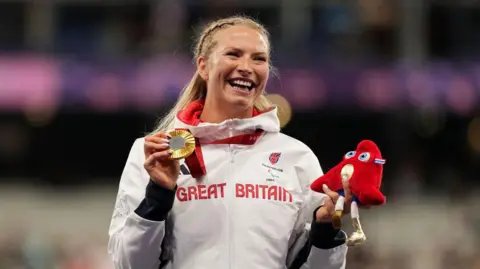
[(202, 67)]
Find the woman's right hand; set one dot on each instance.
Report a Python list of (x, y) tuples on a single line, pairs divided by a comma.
[(162, 171)]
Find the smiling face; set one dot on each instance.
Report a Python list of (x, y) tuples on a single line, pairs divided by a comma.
[(236, 67)]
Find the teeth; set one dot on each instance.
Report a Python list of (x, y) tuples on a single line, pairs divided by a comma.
[(240, 89), (242, 83)]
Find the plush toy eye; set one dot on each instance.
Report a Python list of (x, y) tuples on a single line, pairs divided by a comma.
[(364, 157), (350, 154)]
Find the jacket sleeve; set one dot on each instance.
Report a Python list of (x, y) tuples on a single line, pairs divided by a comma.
[(314, 245), (137, 227)]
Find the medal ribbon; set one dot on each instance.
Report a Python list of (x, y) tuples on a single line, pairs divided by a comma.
[(195, 161)]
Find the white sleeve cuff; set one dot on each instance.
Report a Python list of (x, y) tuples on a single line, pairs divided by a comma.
[(334, 258)]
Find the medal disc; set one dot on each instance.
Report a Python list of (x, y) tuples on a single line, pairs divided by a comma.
[(182, 143)]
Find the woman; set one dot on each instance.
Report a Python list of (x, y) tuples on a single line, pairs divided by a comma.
[(245, 202)]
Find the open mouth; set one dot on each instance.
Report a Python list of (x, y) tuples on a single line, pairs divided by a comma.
[(244, 85)]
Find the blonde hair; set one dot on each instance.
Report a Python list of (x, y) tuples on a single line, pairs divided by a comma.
[(197, 87)]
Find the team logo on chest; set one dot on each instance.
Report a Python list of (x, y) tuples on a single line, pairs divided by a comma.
[(274, 157)]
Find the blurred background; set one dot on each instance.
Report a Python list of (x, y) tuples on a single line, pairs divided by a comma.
[(81, 79)]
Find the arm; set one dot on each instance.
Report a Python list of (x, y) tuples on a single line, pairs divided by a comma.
[(137, 226), (314, 245)]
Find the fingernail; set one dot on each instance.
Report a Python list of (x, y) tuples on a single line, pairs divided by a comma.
[(325, 186), (170, 151), (165, 141), (165, 145)]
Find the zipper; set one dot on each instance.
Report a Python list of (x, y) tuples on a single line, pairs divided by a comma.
[(230, 147), (231, 200)]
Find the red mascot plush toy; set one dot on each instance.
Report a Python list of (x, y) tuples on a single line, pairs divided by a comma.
[(360, 172)]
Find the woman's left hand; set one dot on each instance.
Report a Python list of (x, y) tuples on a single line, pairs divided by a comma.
[(325, 212)]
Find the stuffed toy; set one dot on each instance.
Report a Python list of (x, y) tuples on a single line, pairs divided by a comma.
[(360, 173)]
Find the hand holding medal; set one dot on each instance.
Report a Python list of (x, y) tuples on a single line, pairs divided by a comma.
[(162, 152)]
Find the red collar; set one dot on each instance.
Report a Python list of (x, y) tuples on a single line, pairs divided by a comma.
[(191, 114)]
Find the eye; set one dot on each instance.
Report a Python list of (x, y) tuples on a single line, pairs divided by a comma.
[(350, 154), (233, 54), (364, 157), (260, 59)]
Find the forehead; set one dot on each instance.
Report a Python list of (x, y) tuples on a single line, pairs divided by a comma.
[(242, 37)]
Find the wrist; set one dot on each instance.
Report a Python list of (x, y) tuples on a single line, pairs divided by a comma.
[(170, 185), (323, 235), (157, 203), (155, 189)]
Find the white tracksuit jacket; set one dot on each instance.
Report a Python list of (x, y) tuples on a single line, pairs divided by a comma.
[(245, 213)]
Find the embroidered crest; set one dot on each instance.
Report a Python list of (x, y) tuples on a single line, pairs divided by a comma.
[(274, 157)]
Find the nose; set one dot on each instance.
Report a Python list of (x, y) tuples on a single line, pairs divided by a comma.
[(244, 67)]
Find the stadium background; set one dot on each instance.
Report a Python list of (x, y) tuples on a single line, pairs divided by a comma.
[(81, 79)]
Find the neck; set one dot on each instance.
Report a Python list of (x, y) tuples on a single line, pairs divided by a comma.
[(213, 112)]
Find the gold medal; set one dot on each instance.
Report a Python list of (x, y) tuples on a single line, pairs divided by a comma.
[(182, 143)]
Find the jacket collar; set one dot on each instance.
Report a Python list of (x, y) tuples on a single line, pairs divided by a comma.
[(189, 118)]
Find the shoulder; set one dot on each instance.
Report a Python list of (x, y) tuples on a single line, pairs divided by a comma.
[(136, 150), (138, 143), (134, 176)]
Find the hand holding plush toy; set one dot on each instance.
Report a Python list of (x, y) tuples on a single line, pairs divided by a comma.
[(361, 172)]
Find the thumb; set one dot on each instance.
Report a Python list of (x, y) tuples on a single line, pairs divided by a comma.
[(328, 191)]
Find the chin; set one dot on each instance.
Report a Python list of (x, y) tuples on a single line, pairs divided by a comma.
[(239, 99), (240, 102)]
